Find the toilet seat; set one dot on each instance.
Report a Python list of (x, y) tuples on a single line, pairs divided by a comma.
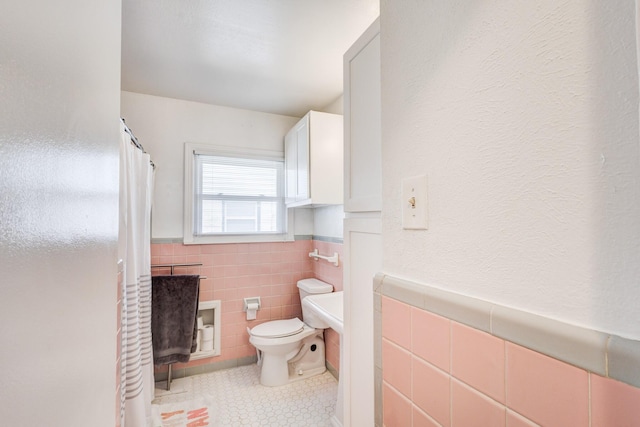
[(278, 328)]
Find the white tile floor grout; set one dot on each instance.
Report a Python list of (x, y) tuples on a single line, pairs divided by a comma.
[(240, 399)]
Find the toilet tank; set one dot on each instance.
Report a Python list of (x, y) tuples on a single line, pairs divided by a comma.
[(313, 286)]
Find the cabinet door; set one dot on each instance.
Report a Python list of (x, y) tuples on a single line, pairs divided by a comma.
[(291, 166), (362, 260), (362, 136), (302, 148)]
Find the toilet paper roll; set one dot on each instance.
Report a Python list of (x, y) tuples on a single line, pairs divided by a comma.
[(207, 345), (207, 333), (252, 309), (200, 322)]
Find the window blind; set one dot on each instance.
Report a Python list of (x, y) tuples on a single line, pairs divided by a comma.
[(235, 195)]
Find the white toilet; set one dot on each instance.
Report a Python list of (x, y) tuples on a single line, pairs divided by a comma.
[(291, 350)]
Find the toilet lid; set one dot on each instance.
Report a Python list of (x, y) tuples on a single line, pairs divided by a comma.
[(278, 328)]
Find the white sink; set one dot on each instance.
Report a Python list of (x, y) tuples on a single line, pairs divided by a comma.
[(324, 311)]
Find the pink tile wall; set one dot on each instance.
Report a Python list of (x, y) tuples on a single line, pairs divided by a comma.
[(236, 271), (546, 390), (613, 403), (332, 348), (460, 376), (485, 370), (326, 271)]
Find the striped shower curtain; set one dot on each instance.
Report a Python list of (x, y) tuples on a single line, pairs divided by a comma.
[(136, 189)]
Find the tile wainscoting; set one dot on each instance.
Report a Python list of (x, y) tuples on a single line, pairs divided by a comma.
[(236, 271), (443, 359)]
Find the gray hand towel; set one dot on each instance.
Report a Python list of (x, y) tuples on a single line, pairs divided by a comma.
[(174, 311)]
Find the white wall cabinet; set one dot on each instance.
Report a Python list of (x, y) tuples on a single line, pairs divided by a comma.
[(313, 161)]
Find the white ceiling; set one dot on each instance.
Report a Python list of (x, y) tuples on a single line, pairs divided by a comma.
[(277, 56)]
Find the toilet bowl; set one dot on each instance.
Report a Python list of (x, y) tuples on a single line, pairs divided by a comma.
[(290, 350)]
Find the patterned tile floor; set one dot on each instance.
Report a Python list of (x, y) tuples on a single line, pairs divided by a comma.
[(242, 401)]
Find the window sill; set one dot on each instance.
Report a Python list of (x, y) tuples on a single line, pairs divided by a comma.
[(253, 238)]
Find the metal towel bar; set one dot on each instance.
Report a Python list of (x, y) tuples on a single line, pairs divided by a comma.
[(193, 264)]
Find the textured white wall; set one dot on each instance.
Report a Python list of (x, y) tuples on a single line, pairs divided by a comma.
[(59, 139), (163, 125), (524, 116)]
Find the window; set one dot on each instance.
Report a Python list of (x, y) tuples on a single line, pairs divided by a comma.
[(237, 195), (233, 196)]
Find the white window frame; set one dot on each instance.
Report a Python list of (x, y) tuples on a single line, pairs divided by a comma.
[(190, 151)]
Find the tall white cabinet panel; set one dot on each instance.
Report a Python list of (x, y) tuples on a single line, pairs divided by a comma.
[(363, 148), (362, 259), (362, 224), (313, 160)]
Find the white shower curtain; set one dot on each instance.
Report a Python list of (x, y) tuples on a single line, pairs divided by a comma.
[(136, 189)]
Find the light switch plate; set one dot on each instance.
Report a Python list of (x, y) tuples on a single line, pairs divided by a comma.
[(414, 203)]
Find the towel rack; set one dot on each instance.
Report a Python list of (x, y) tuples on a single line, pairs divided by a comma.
[(192, 264), (333, 259)]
